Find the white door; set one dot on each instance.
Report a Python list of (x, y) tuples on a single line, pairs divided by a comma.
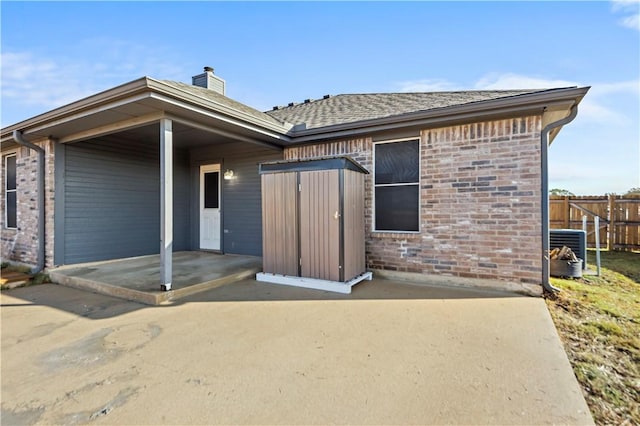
[(210, 207)]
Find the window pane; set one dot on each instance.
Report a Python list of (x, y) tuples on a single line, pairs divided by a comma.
[(397, 162), (211, 198), (397, 208), (11, 172), (11, 210)]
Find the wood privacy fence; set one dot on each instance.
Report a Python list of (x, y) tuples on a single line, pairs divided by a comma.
[(619, 218)]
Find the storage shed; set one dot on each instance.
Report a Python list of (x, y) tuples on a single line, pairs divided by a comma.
[(313, 223)]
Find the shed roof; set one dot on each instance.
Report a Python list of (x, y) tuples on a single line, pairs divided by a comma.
[(351, 108)]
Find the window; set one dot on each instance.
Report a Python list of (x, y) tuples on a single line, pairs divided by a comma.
[(397, 186), (10, 212), (211, 190)]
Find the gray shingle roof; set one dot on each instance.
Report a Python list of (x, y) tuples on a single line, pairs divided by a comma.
[(350, 108), (214, 96)]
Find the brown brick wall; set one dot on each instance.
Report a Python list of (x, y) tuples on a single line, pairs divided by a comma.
[(21, 244), (480, 202)]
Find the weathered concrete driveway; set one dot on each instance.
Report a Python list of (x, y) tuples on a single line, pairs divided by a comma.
[(254, 353)]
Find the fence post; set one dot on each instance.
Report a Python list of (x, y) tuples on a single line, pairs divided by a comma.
[(611, 234), (566, 213), (596, 224), (586, 236)]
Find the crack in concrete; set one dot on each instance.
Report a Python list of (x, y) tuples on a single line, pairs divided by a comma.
[(83, 417)]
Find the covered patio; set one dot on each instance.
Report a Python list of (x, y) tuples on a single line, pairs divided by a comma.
[(151, 170), (137, 278)]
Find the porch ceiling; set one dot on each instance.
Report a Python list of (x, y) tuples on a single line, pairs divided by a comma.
[(184, 136)]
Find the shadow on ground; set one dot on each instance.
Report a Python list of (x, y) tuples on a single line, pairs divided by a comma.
[(78, 302), (626, 263), (97, 306), (377, 289)]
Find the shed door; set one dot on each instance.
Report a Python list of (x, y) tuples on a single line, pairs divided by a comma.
[(280, 223), (320, 224), (210, 207)]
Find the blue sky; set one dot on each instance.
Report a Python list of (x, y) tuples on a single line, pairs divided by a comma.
[(274, 53)]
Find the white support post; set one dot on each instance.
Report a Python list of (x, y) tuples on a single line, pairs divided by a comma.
[(586, 237), (166, 203), (596, 225)]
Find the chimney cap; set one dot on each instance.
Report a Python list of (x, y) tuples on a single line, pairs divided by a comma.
[(207, 69)]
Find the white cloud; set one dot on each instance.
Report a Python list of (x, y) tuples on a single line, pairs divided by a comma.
[(630, 87), (495, 81), (592, 108), (583, 179), (632, 22), (32, 81), (631, 8), (618, 5), (38, 81), (427, 85)]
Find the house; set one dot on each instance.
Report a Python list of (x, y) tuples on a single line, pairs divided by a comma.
[(457, 189)]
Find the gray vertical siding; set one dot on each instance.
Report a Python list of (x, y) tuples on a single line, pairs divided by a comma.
[(241, 196), (181, 201), (111, 200)]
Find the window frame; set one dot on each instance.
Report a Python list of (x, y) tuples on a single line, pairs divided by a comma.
[(6, 191), (374, 185)]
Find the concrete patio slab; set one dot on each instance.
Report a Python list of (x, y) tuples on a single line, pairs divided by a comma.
[(254, 353), (138, 278)]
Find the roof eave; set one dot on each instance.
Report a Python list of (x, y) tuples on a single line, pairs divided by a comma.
[(68, 111), (183, 95), (535, 103), (144, 86)]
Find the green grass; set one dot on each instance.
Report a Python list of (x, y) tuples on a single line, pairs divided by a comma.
[(598, 319)]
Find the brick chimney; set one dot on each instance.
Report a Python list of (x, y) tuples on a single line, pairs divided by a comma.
[(209, 81)]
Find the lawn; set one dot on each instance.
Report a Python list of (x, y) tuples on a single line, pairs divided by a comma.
[(598, 319)]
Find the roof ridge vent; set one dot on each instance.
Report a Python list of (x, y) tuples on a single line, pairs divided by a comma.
[(210, 81)]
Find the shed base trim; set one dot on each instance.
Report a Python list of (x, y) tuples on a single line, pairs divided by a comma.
[(313, 283)]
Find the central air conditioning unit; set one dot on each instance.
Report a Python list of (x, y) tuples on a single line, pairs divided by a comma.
[(575, 239)]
